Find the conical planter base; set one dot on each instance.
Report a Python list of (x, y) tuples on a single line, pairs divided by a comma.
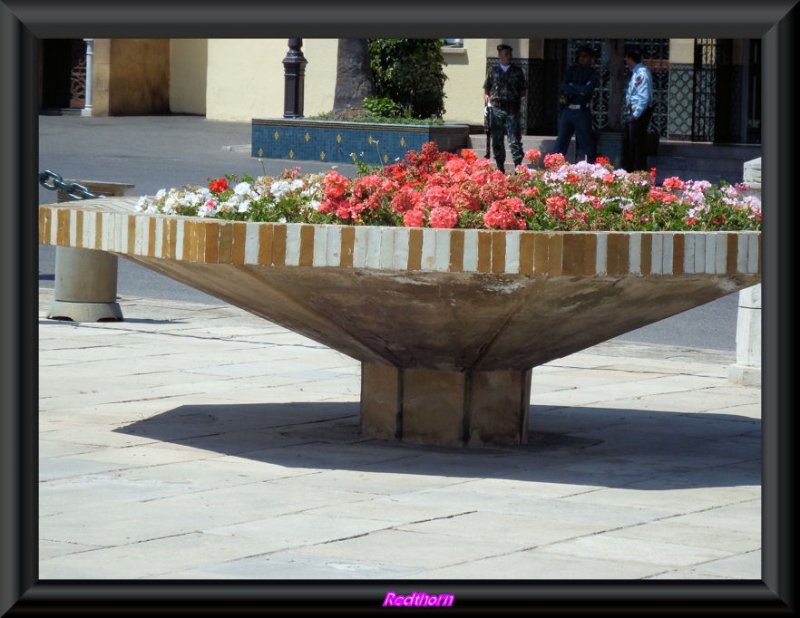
[(447, 323)]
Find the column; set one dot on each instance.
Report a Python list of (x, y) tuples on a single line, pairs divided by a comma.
[(87, 106)]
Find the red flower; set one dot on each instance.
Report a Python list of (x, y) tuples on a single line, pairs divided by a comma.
[(469, 156), (556, 206), (218, 186)]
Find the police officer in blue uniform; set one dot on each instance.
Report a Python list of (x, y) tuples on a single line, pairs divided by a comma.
[(638, 111), (578, 84)]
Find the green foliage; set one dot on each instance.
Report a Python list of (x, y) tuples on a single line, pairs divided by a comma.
[(368, 117), (409, 72), (384, 107)]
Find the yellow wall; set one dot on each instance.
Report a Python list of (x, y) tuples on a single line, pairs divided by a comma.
[(246, 78), (463, 89), (187, 79)]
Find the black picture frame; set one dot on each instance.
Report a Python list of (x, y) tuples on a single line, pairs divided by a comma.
[(23, 22)]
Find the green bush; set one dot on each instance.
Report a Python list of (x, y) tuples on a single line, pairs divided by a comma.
[(409, 73), (384, 107)]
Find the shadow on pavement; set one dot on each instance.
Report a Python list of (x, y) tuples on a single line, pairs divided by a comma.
[(638, 449)]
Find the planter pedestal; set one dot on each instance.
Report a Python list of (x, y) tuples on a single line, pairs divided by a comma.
[(450, 408)]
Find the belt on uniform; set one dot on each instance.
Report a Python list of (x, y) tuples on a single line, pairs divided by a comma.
[(505, 106)]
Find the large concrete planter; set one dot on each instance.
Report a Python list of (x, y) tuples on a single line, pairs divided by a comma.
[(340, 141), (446, 323)]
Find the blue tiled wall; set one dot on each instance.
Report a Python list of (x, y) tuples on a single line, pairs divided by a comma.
[(320, 140)]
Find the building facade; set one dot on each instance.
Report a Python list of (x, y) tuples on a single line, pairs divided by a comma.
[(706, 90)]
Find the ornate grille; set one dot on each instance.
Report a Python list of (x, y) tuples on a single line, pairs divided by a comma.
[(704, 95), (655, 54)]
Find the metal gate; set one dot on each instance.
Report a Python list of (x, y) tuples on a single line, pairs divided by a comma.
[(714, 100), (655, 53)]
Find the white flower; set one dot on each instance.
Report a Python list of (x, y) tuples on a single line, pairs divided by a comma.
[(580, 197), (243, 188)]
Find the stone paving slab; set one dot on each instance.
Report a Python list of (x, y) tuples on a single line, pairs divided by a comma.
[(197, 441)]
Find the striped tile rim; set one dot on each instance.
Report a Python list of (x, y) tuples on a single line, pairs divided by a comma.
[(416, 249)]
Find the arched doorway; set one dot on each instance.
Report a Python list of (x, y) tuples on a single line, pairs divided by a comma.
[(62, 75)]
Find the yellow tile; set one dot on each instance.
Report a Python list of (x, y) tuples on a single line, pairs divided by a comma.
[(456, 251), (678, 243), (266, 234), (348, 243), (151, 236), (306, 257), (526, 241), (238, 239), (498, 251), (225, 244), (415, 249), (211, 241), (647, 254), (484, 251), (555, 253), (279, 244)]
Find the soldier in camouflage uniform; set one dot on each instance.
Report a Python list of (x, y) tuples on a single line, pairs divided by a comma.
[(503, 91)]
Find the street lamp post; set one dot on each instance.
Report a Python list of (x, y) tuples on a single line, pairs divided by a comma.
[(294, 73)]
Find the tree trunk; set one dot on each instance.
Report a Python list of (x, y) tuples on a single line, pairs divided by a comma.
[(353, 77), (615, 48)]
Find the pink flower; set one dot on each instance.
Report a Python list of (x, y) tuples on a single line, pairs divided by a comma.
[(443, 216), (405, 199), (673, 183), (414, 218), (554, 161), (533, 156)]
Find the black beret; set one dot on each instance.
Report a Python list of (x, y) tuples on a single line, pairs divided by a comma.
[(503, 46), (586, 50)]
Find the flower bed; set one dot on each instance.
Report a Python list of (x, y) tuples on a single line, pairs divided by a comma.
[(431, 188)]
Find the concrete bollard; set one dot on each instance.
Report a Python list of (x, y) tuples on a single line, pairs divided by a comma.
[(747, 369), (85, 279)]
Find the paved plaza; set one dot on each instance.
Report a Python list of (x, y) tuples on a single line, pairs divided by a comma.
[(197, 441)]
